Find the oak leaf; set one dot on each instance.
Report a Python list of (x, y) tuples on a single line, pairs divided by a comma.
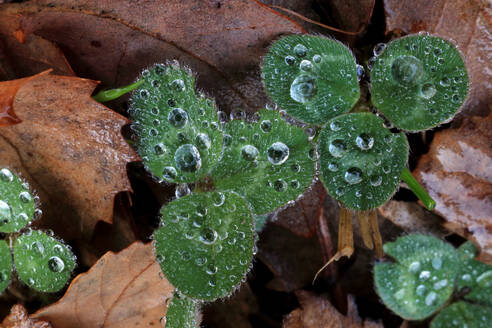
[(113, 41), (126, 289), (456, 173), (70, 148)]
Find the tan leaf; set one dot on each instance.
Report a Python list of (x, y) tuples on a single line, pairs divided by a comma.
[(468, 23), (113, 41), (126, 289), (457, 174), (317, 312), (70, 148), (19, 318)]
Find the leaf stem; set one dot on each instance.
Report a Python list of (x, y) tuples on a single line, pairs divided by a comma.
[(107, 95), (417, 189)]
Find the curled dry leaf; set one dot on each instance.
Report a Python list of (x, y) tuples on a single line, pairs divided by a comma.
[(19, 318), (70, 148), (113, 41), (413, 218), (317, 312), (121, 290), (456, 172), (468, 23)]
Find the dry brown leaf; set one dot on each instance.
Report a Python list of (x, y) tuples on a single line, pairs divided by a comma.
[(457, 174), (126, 289), (468, 23), (317, 312), (113, 41), (19, 318), (413, 218), (69, 147)]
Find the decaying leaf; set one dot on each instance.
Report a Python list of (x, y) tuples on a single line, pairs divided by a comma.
[(317, 312), (126, 289), (456, 173), (412, 217), (8, 90), (113, 41), (19, 318), (473, 37), (69, 147)]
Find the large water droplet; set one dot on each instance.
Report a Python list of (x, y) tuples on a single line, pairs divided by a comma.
[(249, 152), (280, 185), (424, 275), (353, 175), (303, 88), (25, 197), (177, 117), (300, 50), (376, 180), (208, 236), (278, 153), (56, 264), (364, 141), (406, 70), (414, 267), (38, 247), (427, 90), (289, 60), (159, 149), (400, 294), (317, 59), (4, 212), (436, 263), (266, 126), (187, 158), (337, 148), (306, 65), (420, 290), (445, 81), (6, 175)]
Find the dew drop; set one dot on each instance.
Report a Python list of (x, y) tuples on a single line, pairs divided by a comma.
[(340, 192), (249, 152), (335, 126), (437, 263), (278, 153), (56, 264), (211, 269), (406, 70), (4, 212), (440, 284), (295, 184), (300, 50), (200, 261), (485, 279), (177, 85), (6, 175), (414, 267), (430, 298), (266, 126), (187, 158), (427, 90), (360, 72), (218, 199), (364, 141), (400, 294), (317, 59), (306, 65), (169, 173), (208, 236), (38, 247), (159, 149), (25, 197), (289, 60), (420, 290), (424, 275), (376, 180), (177, 118), (353, 175), (202, 140), (280, 185), (296, 168), (337, 148), (333, 167), (378, 49), (303, 88)]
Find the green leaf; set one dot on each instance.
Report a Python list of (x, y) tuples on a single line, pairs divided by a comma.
[(205, 244), (5, 265), (421, 280), (462, 314), (313, 78), (16, 202), (43, 262), (360, 160), (418, 82), (182, 312), (474, 275), (178, 132), (107, 95), (266, 162)]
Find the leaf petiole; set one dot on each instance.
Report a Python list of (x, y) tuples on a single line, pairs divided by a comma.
[(417, 189), (107, 95)]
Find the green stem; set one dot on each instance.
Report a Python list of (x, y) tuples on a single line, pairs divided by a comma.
[(107, 95), (417, 189)]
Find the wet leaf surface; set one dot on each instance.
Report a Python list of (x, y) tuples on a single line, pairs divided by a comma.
[(125, 289), (456, 173), (70, 149), (473, 37)]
